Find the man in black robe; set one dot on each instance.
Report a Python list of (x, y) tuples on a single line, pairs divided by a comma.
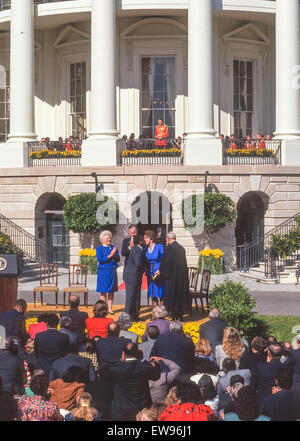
[(174, 272)]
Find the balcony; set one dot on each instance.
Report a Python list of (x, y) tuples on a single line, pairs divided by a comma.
[(53, 153), (269, 154)]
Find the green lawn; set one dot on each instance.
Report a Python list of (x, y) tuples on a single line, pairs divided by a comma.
[(279, 326)]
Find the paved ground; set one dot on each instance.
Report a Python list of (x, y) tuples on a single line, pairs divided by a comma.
[(271, 299)]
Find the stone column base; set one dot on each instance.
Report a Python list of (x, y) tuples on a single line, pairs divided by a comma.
[(14, 154), (290, 152), (206, 151), (99, 152)]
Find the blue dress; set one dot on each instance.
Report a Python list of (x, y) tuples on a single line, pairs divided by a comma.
[(155, 288), (107, 277)]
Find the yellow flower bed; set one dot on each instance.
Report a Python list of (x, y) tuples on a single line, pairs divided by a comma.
[(217, 254), (191, 329), (87, 252), (54, 154), (31, 321)]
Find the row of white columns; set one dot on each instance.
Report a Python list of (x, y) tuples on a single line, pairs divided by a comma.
[(103, 120)]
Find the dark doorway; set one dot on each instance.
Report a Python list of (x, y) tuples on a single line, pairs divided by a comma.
[(250, 224), (152, 211), (50, 228)]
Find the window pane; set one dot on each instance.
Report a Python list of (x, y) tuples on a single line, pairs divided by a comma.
[(78, 99)]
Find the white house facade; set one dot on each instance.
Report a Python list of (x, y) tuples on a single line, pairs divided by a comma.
[(102, 69)]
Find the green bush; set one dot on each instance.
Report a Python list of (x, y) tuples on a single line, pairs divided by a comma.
[(80, 213), (91, 262), (210, 263), (286, 245), (8, 247), (219, 210), (235, 304)]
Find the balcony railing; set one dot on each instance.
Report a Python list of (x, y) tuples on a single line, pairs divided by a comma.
[(54, 153), (269, 154), (150, 152), (5, 4)]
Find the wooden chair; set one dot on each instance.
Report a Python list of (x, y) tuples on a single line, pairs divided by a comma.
[(77, 282), (48, 282), (201, 294)]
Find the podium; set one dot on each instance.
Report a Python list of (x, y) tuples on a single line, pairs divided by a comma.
[(8, 281)]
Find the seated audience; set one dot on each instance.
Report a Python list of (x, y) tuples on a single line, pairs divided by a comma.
[(256, 354), (38, 408), (159, 315), (169, 372), (8, 407), (84, 410), (284, 403), (131, 377), (50, 345), (151, 414), (146, 346), (246, 407), (205, 366), (176, 347), (188, 405), (232, 347), (89, 351), (13, 320), (12, 373), (208, 393), (125, 323), (77, 317), (294, 362), (213, 330), (229, 369), (97, 326), (40, 326), (66, 390), (226, 399)]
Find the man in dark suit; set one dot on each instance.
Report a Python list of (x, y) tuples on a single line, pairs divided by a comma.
[(174, 271), (50, 345), (77, 317), (176, 347), (109, 352), (65, 325), (229, 369), (213, 330), (256, 355), (61, 365), (284, 403), (131, 384), (13, 320), (294, 362), (263, 378), (133, 273)]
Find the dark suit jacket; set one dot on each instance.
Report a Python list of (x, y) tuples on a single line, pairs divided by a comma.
[(295, 363), (131, 388), (263, 378), (109, 351), (224, 381), (12, 373), (14, 323), (125, 251), (177, 348), (60, 366), (249, 360), (73, 339), (78, 320), (213, 331), (134, 266), (48, 347), (283, 406)]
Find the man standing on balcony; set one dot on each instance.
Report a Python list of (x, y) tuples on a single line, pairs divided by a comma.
[(161, 134)]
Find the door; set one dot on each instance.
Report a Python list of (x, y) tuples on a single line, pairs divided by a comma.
[(59, 239)]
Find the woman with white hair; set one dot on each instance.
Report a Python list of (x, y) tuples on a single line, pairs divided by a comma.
[(108, 258)]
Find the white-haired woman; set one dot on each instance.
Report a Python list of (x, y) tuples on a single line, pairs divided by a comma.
[(108, 258)]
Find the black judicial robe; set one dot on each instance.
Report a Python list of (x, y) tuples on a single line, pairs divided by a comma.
[(174, 272)]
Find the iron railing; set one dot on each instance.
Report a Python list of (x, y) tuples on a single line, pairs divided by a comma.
[(251, 254), (30, 246), (150, 152), (53, 153), (270, 155)]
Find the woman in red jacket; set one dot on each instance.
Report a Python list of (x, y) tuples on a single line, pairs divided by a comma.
[(97, 326)]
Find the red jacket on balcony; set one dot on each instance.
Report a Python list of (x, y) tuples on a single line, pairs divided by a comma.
[(161, 133)]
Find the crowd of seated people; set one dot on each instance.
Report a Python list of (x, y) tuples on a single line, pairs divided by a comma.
[(65, 374), (259, 142), (69, 144)]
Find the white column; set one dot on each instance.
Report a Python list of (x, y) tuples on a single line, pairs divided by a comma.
[(22, 127), (100, 148), (202, 148)]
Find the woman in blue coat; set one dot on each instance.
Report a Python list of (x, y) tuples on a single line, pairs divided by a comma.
[(107, 277), (153, 255)]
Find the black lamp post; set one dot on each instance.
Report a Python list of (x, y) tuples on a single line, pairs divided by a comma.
[(98, 187)]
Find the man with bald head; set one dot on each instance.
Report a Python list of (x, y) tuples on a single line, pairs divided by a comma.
[(77, 317), (213, 330)]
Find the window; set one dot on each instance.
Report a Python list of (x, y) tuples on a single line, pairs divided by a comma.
[(5, 108), (157, 94), (243, 98), (78, 99)]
